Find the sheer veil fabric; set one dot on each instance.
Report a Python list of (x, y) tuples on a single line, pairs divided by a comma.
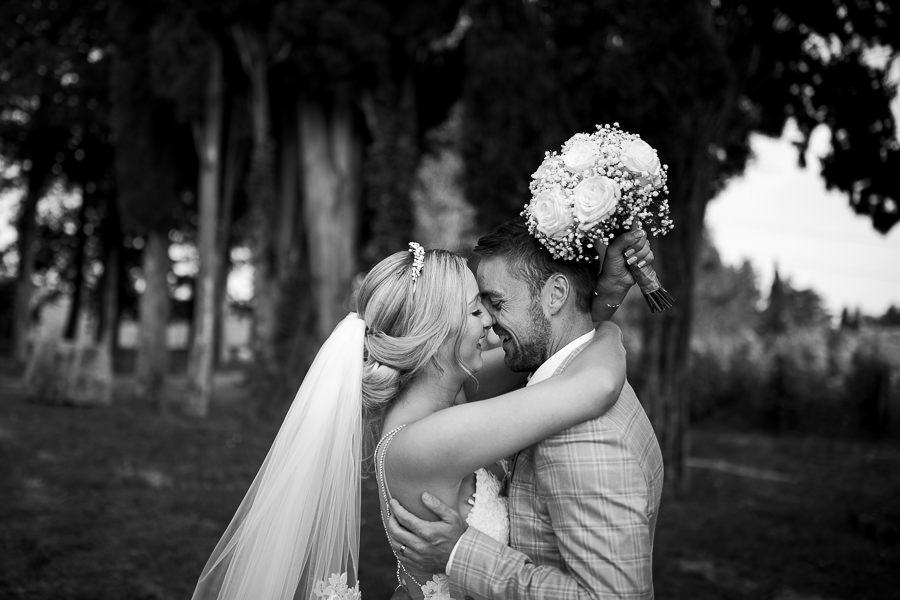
[(299, 522)]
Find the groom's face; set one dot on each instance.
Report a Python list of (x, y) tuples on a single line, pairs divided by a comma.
[(519, 319)]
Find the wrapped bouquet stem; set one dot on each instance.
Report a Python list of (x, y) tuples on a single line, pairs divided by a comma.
[(598, 185), (657, 297)]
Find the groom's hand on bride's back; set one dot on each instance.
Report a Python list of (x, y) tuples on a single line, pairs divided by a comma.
[(425, 545)]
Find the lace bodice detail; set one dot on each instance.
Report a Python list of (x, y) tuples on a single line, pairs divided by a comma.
[(489, 513)]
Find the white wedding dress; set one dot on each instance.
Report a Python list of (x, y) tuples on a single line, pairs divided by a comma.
[(489, 514)]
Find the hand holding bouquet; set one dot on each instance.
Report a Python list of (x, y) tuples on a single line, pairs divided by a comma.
[(599, 185)]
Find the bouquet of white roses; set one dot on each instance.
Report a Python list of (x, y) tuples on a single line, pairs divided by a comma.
[(597, 186)]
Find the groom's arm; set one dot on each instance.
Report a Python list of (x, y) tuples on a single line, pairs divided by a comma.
[(597, 498)]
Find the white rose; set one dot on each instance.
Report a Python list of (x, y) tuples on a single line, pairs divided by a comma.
[(551, 211), (595, 198), (547, 167), (580, 155), (640, 158)]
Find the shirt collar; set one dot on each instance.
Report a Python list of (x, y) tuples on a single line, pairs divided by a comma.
[(548, 369)]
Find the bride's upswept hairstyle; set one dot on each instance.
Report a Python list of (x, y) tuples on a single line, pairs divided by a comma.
[(297, 528), (407, 322)]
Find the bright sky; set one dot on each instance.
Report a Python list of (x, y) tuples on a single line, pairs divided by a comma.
[(780, 214)]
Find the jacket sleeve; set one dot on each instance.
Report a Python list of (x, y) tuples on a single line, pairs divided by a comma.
[(597, 501)]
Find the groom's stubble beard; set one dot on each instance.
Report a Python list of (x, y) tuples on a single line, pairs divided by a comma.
[(530, 350)]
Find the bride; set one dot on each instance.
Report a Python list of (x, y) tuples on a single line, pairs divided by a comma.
[(398, 371)]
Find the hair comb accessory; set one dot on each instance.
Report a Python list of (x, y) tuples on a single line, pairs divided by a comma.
[(418, 253)]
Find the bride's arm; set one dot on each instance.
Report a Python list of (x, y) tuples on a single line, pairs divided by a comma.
[(451, 443)]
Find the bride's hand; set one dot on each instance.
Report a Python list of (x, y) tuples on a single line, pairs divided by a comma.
[(425, 545), (615, 278), (630, 248)]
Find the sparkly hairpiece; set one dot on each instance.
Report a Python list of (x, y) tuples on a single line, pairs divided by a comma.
[(418, 253)]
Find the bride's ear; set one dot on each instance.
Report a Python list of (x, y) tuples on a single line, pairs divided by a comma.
[(555, 293)]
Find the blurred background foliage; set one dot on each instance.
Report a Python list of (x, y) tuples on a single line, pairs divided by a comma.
[(199, 185)]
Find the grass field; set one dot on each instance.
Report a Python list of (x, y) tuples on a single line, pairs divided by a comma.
[(127, 503)]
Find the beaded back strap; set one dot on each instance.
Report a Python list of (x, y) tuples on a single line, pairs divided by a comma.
[(380, 451)]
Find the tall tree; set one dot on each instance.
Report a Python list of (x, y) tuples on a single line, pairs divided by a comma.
[(51, 123), (147, 140), (32, 132), (727, 296), (694, 79), (789, 308), (253, 38), (420, 78), (195, 61), (210, 148), (322, 56)]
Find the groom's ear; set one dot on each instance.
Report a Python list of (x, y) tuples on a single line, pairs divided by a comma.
[(556, 293)]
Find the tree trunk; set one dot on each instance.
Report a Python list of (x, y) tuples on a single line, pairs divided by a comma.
[(27, 229), (288, 231), (296, 318), (221, 284), (330, 152), (294, 341), (108, 320), (253, 55), (91, 378), (209, 148), (667, 335), (233, 172), (146, 134), (666, 349), (107, 330), (154, 307), (109, 309), (392, 157), (71, 329)]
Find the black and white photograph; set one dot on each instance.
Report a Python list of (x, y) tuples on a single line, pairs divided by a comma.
[(457, 300)]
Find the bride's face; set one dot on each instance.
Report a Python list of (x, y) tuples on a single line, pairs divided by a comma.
[(478, 321)]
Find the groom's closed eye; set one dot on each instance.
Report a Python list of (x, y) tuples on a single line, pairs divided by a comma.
[(492, 300)]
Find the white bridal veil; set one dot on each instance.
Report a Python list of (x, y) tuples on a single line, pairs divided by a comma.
[(299, 522)]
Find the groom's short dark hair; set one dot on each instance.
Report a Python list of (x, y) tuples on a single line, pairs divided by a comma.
[(534, 264)]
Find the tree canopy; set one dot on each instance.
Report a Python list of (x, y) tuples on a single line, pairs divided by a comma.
[(305, 120)]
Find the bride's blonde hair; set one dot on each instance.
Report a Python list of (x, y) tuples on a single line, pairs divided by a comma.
[(407, 323)]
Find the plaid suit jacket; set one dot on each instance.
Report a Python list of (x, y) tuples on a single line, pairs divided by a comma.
[(582, 508)]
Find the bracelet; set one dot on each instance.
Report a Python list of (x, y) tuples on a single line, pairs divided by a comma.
[(608, 305)]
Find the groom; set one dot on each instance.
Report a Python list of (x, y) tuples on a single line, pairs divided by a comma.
[(582, 503)]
